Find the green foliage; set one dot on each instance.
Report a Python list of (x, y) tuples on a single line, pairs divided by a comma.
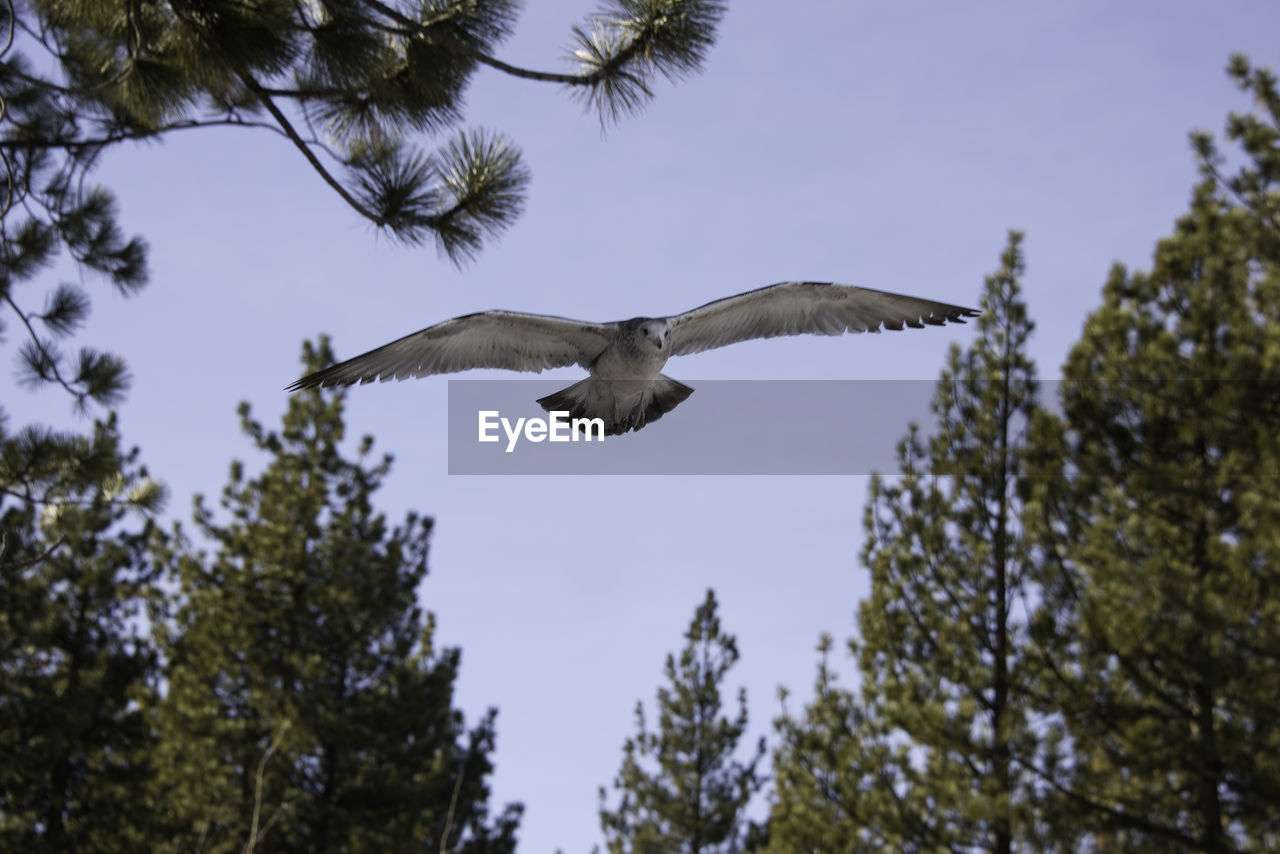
[(931, 756), (834, 776), (308, 708), (44, 467), (348, 82), (85, 225), (479, 189), (1258, 135), (1073, 635), (364, 76), (76, 667), (1156, 512), (622, 48), (694, 798)]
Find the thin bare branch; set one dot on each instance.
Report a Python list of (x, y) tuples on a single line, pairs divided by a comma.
[(254, 835), (453, 803), (123, 135), (265, 98), (19, 565)]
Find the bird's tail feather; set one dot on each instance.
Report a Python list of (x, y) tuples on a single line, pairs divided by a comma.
[(574, 400), (618, 403), (667, 395)]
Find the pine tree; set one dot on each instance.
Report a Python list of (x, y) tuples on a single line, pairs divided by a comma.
[(930, 755), (1157, 509), (75, 665), (693, 800), (307, 707), (834, 774)]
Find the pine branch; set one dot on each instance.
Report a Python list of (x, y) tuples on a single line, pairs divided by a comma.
[(65, 309), (125, 134), (148, 502), (311, 93), (8, 174), (47, 358), (483, 175), (1123, 820), (421, 29), (302, 146), (79, 91), (19, 565), (672, 38), (530, 74), (12, 21), (640, 37)]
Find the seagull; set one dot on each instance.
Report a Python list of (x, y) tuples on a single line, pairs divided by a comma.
[(626, 388)]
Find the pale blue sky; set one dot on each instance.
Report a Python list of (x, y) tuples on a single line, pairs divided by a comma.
[(883, 144)]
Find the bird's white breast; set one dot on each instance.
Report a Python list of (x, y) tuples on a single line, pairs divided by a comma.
[(616, 363), (638, 353)]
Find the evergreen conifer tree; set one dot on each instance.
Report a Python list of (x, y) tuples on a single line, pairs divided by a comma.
[(1156, 508), (834, 772), (308, 707), (76, 665), (681, 788), (930, 755)]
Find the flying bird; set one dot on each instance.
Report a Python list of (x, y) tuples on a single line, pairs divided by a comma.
[(626, 388)]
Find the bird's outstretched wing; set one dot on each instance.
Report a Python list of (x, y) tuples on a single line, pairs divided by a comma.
[(804, 308), (510, 340)]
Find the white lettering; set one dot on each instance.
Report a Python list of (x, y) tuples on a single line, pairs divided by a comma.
[(487, 424), (535, 429), (587, 425), (513, 436), (558, 428)]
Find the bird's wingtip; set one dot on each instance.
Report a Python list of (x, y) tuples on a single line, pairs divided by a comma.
[(304, 383)]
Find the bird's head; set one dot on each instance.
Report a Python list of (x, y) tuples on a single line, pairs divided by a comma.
[(656, 332)]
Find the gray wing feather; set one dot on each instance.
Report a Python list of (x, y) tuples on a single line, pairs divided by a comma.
[(509, 340), (804, 308)]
